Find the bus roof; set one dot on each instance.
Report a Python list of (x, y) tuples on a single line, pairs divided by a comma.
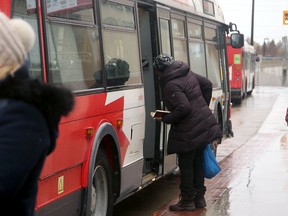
[(209, 9)]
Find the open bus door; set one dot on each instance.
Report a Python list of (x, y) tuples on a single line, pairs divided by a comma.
[(165, 46), (156, 134)]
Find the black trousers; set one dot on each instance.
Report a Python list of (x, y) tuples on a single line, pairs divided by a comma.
[(191, 172)]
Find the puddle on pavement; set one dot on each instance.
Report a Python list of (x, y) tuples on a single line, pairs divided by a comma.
[(220, 207)]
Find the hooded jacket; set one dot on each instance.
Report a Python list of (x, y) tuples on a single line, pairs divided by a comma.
[(187, 96), (51, 101), (29, 115)]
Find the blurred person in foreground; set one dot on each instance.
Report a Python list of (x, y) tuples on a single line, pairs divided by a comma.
[(187, 96), (29, 115), (286, 116)]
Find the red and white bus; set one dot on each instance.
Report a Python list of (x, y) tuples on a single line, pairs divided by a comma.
[(242, 67), (109, 147)]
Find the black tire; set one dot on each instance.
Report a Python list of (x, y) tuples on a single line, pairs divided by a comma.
[(253, 86), (237, 101), (101, 188)]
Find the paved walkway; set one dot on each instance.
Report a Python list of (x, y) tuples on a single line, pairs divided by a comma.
[(254, 178)]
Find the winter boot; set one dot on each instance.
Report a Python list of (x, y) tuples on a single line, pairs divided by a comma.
[(199, 200), (185, 203)]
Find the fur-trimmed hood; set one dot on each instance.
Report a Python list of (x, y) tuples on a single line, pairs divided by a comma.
[(53, 102)]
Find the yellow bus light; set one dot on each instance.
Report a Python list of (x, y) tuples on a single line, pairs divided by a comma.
[(285, 17), (89, 132), (119, 123)]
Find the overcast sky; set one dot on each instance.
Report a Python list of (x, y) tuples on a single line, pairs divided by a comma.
[(267, 17)]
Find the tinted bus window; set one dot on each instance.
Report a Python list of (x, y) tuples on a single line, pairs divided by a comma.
[(194, 30), (21, 10), (74, 56), (197, 57), (208, 7), (72, 9), (120, 44), (179, 40), (210, 34), (212, 56), (196, 49), (117, 15), (213, 66), (165, 36)]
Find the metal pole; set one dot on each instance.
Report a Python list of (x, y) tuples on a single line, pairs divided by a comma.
[(284, 41), (252, 25), (265, 46)]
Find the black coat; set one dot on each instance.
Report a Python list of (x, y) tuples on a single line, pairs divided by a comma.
[(187, 95), (29, 115)]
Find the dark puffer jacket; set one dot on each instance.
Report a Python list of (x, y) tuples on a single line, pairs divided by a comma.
[(187, 95), (29, 115)]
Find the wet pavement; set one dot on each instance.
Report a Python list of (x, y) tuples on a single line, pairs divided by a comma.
[(254, 176)]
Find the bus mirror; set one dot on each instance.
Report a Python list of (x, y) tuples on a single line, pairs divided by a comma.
[(257, 59), (237, 40)]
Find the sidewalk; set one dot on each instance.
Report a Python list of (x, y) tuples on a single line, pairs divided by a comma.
[(254, 178)]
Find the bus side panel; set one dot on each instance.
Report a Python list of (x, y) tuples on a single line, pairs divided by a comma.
[(72, 134), (62, 175), (67, 205), (5, 7), (60, 193)]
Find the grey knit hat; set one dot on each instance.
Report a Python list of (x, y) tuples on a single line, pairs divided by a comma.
[(17, 38)]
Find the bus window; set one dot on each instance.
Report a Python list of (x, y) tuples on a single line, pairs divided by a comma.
[(21, 10), (212, 57), (179, 40), (208, 7), (210, 34), (74, 56), (197, 57), (194, 30), (114, 14), (196, 49), (72, 9), (213, 66), (120, 44), (165, 36)]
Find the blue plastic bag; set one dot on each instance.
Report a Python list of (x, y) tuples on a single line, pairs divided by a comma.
[(210, 165)]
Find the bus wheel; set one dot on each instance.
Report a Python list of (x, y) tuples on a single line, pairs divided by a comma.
[(237, 101), (101, 195)]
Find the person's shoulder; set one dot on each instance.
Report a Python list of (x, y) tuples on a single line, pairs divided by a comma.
[(286, 116), (200, 77), (22, 72)]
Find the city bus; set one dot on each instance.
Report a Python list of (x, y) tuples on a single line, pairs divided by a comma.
[(242, 67), (109, 147)]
